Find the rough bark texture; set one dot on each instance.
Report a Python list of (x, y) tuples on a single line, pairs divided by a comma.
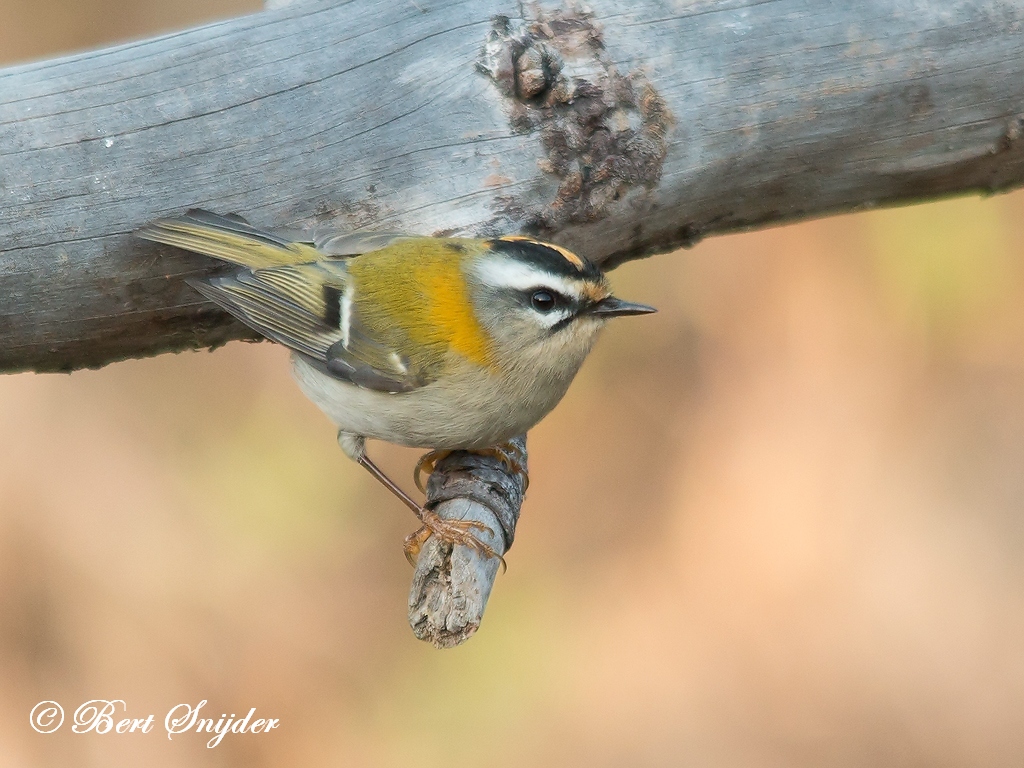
[(451, 584), (620, 130)]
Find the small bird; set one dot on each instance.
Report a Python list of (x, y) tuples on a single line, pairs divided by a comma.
[(430, 342)]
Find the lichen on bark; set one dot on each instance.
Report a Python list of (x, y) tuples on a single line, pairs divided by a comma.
[(603, 132)]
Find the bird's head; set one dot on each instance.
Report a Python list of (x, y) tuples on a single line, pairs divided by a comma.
[(541, 304)]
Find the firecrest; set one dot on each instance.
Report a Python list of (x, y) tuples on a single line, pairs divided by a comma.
[(441, 343)]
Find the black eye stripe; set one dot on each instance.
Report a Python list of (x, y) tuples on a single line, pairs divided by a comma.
[(561, 324)]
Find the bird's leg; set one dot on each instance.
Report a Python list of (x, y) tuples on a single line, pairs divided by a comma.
[(451, 531), (387, 482), (507, 453)]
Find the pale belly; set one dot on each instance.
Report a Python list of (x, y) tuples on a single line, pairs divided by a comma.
[(481, 411)]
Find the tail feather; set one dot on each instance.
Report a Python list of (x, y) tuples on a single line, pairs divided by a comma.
[(229, 239)]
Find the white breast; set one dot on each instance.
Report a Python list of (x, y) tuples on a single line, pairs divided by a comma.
[(473, 408)]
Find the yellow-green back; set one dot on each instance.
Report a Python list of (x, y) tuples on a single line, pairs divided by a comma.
[(413, 295)]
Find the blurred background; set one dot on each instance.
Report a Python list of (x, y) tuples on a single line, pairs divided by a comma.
[(780, 523)]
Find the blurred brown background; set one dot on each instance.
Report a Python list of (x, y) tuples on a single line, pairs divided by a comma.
[(780, 523)]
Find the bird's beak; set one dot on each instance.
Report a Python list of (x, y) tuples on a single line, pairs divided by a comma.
[(614, 307)]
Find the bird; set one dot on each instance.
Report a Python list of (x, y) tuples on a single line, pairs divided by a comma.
[(443, 343)]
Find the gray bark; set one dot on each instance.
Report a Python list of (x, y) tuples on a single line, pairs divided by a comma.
[(451, 584), (620, 131), (379, 114)]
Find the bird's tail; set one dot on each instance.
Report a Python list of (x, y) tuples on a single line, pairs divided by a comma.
[(228, 238)]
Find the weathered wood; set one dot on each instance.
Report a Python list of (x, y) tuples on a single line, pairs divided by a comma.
[(383, 115), (451, 584)]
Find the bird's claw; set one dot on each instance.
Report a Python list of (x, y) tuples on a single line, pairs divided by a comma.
[(427, 464), (506, 453), (451, 532)]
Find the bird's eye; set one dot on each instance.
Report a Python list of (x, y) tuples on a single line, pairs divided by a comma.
[(543, 301)]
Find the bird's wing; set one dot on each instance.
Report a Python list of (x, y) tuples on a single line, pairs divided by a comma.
[(308, 307), (333, 243), (291, 294), (231, 238)]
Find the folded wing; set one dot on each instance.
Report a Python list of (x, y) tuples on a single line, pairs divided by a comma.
[(293, 294)]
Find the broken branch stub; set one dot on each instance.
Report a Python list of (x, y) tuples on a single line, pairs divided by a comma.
[(452, 583)]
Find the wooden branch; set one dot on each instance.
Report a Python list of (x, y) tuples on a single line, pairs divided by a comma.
[(451, 584), (619, 131), (428, 118)]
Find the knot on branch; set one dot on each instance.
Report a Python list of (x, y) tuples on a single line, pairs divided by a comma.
[(604, 133)]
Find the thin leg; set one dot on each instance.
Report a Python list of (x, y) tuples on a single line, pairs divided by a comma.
[(388, 483), (451, 531)]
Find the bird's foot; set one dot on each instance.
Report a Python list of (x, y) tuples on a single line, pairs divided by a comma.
[(427, 464), (450, 531), (506, 453)]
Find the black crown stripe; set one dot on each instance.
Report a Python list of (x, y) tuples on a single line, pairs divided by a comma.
[(546, 258)]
